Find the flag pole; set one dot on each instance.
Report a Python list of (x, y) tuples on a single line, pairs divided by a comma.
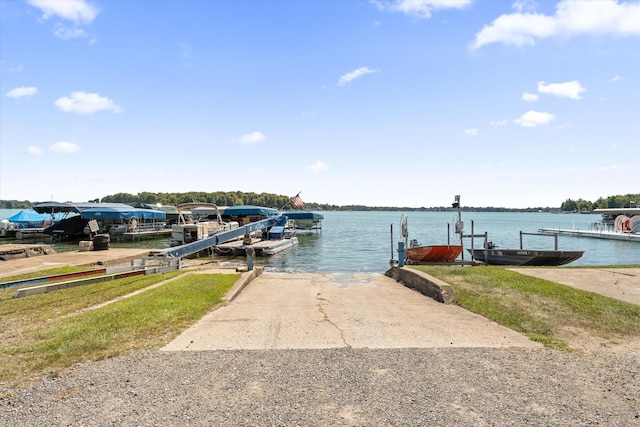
[(289, 201)]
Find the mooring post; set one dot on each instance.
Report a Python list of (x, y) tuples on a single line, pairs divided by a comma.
[(250, 252), (400, 254)]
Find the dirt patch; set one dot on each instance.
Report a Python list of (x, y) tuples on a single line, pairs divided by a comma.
[(581, 340)]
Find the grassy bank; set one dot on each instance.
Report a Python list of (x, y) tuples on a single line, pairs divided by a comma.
[(45, 334), (544, 311)]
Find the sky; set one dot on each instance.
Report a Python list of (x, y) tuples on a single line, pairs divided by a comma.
[(379, 103)]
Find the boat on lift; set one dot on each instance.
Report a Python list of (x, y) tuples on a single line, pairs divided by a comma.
[(433, 253), (197, 221), (417, 253)]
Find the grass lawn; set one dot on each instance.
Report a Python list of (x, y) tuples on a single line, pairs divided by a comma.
[(543, 311), (47, 333)]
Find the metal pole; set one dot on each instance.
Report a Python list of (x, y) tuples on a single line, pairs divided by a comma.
[(486, 250), (392, 243), (400, 254), (473, 227), (250, 251), (520, 239)]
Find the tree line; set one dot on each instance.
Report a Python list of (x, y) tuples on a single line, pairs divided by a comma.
[(235, 198), (611, 202)]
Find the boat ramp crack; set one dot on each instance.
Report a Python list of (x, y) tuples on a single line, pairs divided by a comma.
[(322, 302)]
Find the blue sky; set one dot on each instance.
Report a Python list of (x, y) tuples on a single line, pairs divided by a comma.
[(379, 103)]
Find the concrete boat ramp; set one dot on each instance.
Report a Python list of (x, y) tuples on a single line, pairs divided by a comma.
[(316, 311)]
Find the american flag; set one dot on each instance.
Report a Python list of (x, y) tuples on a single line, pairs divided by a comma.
[(297, 201)]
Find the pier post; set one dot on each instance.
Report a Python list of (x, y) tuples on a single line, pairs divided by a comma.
[(250, 252), (400, 254)]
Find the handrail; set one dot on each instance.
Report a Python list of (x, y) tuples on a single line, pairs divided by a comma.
[(218, 238)]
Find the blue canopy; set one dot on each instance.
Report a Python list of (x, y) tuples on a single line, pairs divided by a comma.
[(48, 207), (245, 210), (122, 213), (303, 215), (29, 217)]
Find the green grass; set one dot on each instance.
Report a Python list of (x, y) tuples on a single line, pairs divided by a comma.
[(45, 334), (543, 311)]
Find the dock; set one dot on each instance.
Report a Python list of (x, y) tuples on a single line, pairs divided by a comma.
[(33, 234), (596, 234), (145, 234), (260, 247)]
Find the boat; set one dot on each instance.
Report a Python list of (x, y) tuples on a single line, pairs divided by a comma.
[(434, 253), (24, 223), (197, 221), (114, 218), (305, 220), (493, 255), (263, 242), (416, 253), (124, 219), (245, 214)]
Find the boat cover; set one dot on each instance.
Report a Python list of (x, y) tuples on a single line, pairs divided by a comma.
[(28, 217), (244, 210), (303, 215), (127, 212), (48, 207)]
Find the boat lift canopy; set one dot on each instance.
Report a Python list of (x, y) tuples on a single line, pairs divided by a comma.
[(122, 213)]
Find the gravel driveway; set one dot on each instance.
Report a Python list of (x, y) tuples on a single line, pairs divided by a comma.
[(354, 387)]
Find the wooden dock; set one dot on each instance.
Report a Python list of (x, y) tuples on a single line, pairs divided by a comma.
[(260, 247), (139, 235)]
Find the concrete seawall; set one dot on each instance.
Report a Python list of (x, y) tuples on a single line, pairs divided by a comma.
[(423, 283)]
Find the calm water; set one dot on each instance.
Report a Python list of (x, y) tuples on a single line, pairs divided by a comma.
[(361, 241)]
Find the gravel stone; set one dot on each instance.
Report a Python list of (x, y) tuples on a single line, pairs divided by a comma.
[(338, 387)]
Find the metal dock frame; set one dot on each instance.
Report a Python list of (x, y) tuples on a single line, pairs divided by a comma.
[(218, 238)]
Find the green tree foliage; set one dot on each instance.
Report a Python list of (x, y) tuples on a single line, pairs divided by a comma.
[(220, 198), (15, 204), (619, 201)]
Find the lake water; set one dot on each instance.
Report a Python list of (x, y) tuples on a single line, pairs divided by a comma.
[(362, 242)]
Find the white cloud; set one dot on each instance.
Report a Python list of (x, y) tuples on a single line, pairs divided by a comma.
[(77, 11), (36, 151), (530, 97), (19, 92), (524, 5), (617, 78), (571, 89), (252, 138), (499, 122), (64, 147), (419, 8), (471, 132), (354, 75), (86, 103), (318, 166), (65, 33), (572, 18), (534, 118)]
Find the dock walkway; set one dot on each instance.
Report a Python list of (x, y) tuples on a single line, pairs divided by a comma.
[(110, 257)]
